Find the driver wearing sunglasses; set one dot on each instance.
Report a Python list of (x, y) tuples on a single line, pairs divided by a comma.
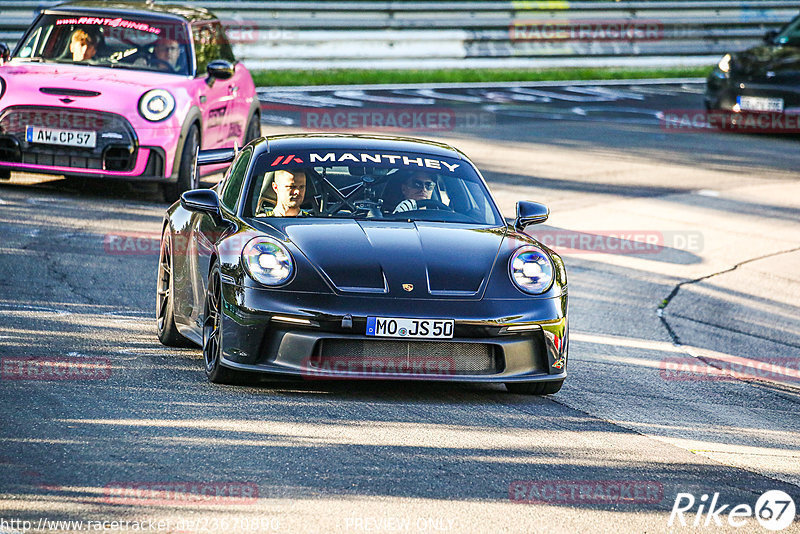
[(418, 187)]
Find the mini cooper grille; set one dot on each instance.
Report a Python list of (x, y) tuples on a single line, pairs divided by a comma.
[(426, 357), (116, 143)]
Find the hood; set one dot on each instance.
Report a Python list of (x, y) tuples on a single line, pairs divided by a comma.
[(380, 257), (768, 62), (115, 85)]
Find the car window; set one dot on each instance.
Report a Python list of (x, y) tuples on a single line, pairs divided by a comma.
[(356, 184), (210, 43), (133, 42), (233, 184)]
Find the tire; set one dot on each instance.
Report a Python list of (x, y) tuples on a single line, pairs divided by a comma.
[(186, 180), (212, 333), (165, 321), (534, 388), (253, 128)]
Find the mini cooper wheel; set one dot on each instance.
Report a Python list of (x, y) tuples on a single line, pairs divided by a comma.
[(535, 388), (186, 178), (212, 333), (167, 331)]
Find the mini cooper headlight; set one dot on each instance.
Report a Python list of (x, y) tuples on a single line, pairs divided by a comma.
[(156, 105), (531, 269), (267, 261), (2, 87)]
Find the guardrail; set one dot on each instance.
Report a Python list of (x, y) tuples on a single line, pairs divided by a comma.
[(474, 34)]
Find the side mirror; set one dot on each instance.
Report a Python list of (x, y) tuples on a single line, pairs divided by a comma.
[(219, 69), (202, 201), (530, 213), (770, 36), (5, 53)]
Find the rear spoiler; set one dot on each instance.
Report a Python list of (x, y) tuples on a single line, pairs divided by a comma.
[(213, 156)]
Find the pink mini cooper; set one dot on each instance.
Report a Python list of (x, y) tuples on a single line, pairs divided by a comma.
[(122, 90)]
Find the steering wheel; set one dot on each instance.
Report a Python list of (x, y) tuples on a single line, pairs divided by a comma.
[(432, 204), (160, 64)]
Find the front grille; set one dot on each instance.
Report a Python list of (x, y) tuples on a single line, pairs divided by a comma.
[(116, 145), (404, 357)]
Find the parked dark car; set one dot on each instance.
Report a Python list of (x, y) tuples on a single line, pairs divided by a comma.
[(395, 264)]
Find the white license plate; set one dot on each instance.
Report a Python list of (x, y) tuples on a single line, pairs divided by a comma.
[(758, 103), (416, 328), (52, 136)]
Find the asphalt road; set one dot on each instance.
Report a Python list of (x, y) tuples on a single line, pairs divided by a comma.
[(655, 403)]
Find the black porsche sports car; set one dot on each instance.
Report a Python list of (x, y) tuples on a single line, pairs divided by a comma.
[(761, 79), (345, 256)]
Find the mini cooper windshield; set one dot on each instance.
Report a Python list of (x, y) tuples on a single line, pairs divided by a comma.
[(134, 42), (368, 185)]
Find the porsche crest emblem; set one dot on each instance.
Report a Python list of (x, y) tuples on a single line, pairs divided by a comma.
[(408, 287)]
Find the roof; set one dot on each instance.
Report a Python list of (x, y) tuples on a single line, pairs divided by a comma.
[(359, 142), (119, 8)]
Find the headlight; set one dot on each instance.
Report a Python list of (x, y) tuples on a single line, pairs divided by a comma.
[(531, 269), (267, 261), (2, 87), (156, 105), (725, 63)]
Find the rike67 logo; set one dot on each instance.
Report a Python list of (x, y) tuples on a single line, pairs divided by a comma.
[(774, 510)]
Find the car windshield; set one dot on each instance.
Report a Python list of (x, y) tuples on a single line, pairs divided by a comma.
[(132, 42), (369, 184), (790, 35)]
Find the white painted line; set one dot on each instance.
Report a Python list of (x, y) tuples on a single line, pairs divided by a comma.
[(357, 94), (479, 85)]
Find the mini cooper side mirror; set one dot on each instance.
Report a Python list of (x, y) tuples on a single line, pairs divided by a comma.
[(5, 53), (530, 213), (201, 200), (219, 69)]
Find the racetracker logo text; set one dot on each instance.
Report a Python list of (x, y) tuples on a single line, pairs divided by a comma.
[(188, 493), (586, 30), (586, 491), (383, 367), (60, 368)]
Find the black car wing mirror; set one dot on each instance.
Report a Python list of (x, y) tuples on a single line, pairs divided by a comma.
[(770, 36), (5, 53), (219, 69), (530, 213), (202, 201)]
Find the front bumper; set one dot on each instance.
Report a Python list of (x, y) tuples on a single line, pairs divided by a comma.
[(262, 332), (120, 150)]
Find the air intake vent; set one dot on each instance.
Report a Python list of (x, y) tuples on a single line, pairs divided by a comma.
[(67, 92)]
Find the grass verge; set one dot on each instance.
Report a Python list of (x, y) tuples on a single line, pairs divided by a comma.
[(365, 76)]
